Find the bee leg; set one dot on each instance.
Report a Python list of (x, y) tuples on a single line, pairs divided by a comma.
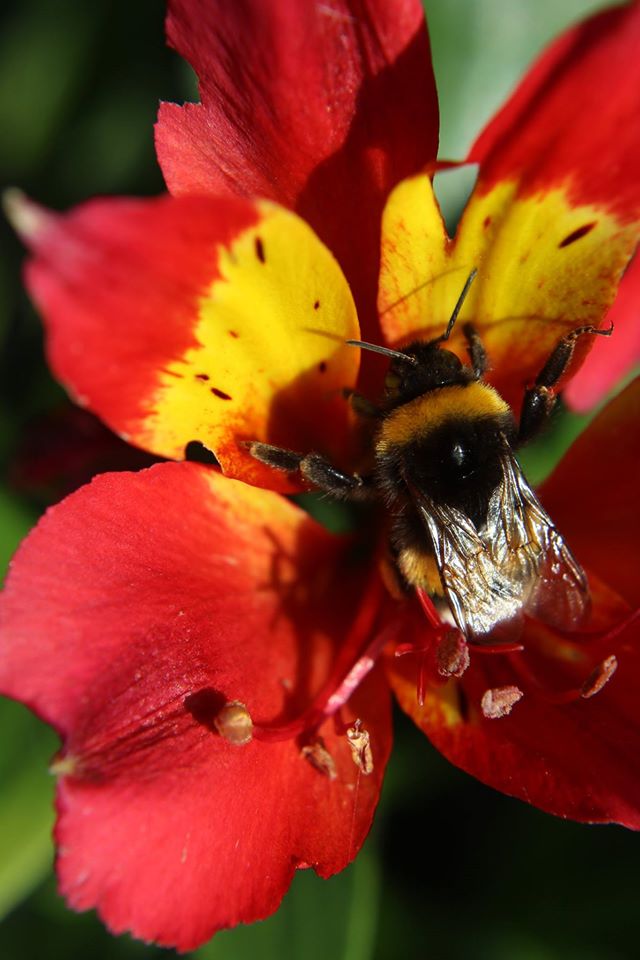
[(323, 475), (361, 405), (477, 353), (316, 469), (539, 399), (276, 457)]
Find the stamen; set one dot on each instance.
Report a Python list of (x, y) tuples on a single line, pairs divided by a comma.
[(352, 680), (320, 758), (599, 677), (452, 651), (594, 683), (421, 651), (499, 701), (421, 691), (500, 647), (429, 608), (234, 723), (360, 744), (63, 765), (25, 216), (452, 655), (358, 656)]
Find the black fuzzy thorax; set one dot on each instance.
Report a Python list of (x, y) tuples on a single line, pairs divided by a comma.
[(459, 463)]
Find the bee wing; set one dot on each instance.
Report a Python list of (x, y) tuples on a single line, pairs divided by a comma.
[(481, 596), (516, 562), (527, 542)]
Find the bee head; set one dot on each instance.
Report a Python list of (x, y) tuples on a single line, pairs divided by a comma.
[(423, 367)]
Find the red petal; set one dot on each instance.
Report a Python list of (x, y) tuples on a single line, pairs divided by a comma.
[(322, 107), (134, 611), (215, 320), (574, 759), (593, 495), (573, 121), (611, 360)]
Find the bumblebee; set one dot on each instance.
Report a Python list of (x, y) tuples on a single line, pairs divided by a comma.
[(466, 531)]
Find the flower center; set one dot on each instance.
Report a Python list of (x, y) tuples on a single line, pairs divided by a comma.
[(445, 653)]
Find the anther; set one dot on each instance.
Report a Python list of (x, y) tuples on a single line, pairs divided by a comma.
[(26, 217), (452, 655), (234, 723), (63, 765), (499, 701), (599, 677), (360, 744), (320, 758)]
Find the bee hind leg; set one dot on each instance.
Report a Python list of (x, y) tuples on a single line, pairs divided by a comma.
[(539, 399), (315, 469)]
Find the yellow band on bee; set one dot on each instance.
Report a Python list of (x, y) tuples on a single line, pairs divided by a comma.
[(421, 416)]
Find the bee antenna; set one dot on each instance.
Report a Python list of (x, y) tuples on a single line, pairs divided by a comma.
[(385, 351), (458, 307)]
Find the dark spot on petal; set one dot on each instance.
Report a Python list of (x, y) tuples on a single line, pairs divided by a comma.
[(202, 376), (316, 305), (232, 333), (196, 452), (487, 222), (577, 234), (220, 393), (260, 250), (322, 366)]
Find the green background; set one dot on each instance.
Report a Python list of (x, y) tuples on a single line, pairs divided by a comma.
[(452, 869)]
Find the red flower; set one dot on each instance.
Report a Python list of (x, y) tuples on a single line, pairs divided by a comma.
[(209, 655)]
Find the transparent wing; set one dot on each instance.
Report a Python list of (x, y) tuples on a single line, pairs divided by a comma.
[(527, 542), (480, 595), (517, 562)]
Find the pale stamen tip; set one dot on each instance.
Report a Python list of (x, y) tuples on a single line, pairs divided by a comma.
[(26, 217), (499, 701), (453, 655), (320, 758), (234, 723), (63, 765), (360, 744), (599, 677)]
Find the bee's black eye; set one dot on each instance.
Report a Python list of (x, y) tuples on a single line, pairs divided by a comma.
[(459, 454), (462, 460)]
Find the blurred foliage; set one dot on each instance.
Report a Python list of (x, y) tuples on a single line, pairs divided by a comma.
[(26, 814), (453, 870)]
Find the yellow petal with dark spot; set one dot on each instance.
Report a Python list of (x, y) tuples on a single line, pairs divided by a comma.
[(544, 267)]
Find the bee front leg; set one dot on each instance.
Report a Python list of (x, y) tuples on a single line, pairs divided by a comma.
[(315, 469), (361, 405), (477, 353), (539, 399)]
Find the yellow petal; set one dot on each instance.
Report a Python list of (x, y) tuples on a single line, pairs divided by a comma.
[(270, 362)]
